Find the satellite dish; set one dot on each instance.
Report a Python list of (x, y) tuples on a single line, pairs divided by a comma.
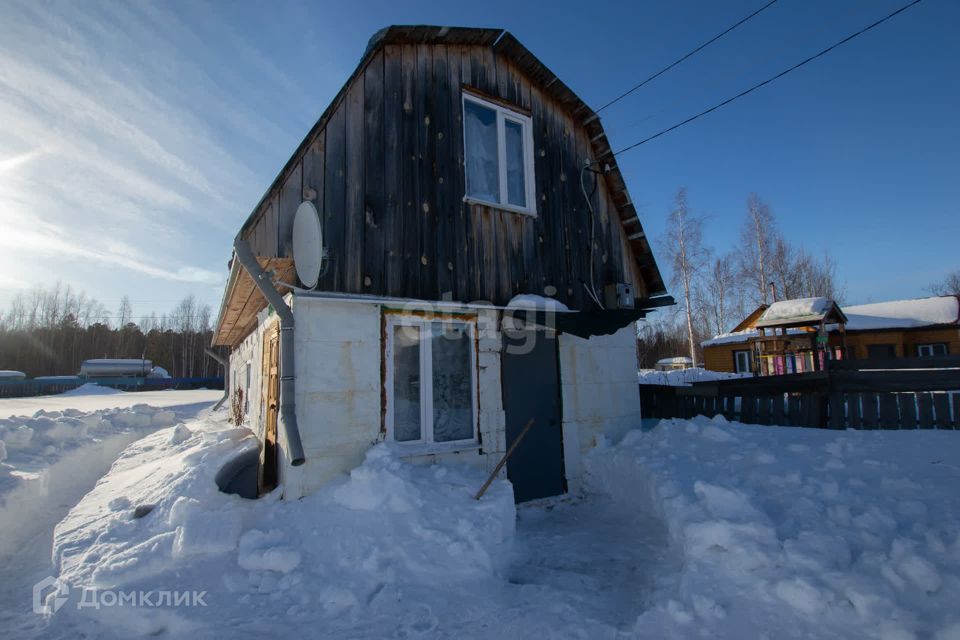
[(307, 244)]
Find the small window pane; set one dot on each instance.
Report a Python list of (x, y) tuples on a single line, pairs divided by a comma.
[(926, 350), (743, 361), (406, 383), (452, 397), (480, 130), (516, 187)]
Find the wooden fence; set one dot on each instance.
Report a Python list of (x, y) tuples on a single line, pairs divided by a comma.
[(906, 393)]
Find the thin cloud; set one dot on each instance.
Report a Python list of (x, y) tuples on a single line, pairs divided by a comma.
[(137, 137), (51, 241)]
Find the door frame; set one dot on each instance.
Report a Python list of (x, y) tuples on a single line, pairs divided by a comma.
[(268, 473)]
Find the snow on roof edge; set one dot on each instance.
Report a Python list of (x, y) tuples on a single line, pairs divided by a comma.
[(893, 314)]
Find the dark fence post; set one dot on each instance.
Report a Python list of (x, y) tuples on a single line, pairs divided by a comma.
[(908, 410), (925, 409), (941, 405), (795, 417), (779, 415), (889, 416), (748, 410), (869, 410), (853, 411), (837, 410)]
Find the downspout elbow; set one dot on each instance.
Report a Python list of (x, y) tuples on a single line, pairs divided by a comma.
[(288, 413)]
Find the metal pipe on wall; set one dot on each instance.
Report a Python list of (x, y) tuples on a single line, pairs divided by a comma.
[(226, 375), (288, 414)]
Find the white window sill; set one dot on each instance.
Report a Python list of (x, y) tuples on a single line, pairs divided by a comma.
[(426, 449), (512, 208)]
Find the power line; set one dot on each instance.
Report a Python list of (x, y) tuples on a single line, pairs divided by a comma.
[(761, 84), (679, 60), (741, 73)]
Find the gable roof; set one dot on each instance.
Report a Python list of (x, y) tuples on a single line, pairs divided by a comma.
[(750, 320), (504, 43), (801, 311)]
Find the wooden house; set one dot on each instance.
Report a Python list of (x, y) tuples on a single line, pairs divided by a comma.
[(483, 266), (767, 345)]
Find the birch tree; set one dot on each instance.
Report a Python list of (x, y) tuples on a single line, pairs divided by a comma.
[(758, 238), (683, 244), (718, 296)]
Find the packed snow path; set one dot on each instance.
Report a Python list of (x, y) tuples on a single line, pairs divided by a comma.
[(70, 446), (601, 559)]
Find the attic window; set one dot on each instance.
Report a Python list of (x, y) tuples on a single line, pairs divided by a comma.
[(498, 155)]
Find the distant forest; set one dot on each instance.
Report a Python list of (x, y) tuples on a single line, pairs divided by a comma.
[(52, 330)]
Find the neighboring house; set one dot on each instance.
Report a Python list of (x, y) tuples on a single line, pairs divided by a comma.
[(467, 285), (676, 362), (898, 329)]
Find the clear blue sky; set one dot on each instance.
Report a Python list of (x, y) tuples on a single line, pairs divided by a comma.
[(136, 137)]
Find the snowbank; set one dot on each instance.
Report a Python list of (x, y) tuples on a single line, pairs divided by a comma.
[(186, 402), (49, 452), (92, 389), (684, 377), (789, 532), (366, 542)]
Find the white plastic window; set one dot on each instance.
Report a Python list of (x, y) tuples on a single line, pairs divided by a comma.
[(431, 381), (742, 360), (926, 350), (498, 155)]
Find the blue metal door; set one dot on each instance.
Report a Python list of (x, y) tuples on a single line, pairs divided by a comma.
[(531, 389)]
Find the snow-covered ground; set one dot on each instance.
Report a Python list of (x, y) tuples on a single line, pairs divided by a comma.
[(684, 377), (49, 460), (788, 532), (83, 399), (698, 528)]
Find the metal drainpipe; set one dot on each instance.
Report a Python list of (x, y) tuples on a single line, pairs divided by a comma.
[(226, 375), (288, 414)]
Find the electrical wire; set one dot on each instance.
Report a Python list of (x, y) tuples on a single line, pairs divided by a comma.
[(589, 287), (761, 84), (679, 60), (742, 72)]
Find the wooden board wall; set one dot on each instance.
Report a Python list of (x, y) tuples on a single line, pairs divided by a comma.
[(386, 174)]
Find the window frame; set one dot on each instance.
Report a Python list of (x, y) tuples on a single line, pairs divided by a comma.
[(526, 122), (426, 443), (931, 346), (736, 364)]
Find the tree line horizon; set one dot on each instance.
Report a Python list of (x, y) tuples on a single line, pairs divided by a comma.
[(51, 330)]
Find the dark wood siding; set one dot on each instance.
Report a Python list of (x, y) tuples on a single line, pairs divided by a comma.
[(386, 174)]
